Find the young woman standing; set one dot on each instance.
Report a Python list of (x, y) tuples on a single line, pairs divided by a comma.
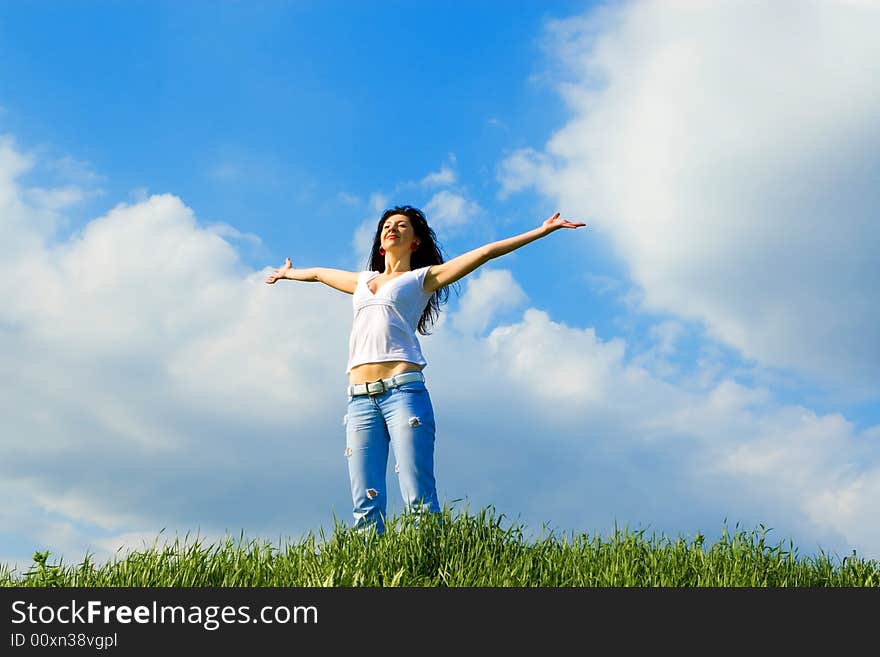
[(388, 403)]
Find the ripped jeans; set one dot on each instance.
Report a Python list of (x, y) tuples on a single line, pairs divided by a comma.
[(404, 417)]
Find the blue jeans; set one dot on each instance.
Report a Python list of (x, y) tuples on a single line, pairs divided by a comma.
[(404, 417)]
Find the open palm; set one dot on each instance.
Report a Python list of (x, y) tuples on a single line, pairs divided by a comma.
[(281, 272), (556, 222)]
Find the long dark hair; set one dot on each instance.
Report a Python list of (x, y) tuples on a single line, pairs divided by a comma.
[(428, 253)]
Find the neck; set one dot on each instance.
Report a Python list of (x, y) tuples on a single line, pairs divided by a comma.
[(395, 264)]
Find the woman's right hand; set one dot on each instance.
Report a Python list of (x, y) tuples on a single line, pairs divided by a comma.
[(281, 272)]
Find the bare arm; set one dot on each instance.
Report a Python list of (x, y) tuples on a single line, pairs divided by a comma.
[(344, 281), (448, 272)]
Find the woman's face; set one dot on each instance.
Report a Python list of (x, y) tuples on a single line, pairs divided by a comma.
[(398, 234)]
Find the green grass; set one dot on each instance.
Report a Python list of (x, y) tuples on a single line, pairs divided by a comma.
[(460, 549)]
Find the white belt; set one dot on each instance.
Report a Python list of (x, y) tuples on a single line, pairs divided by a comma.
[(381, 385)]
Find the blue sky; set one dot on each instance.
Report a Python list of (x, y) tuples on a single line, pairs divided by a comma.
[(707, 349)]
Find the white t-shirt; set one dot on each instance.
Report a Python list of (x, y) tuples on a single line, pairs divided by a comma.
[(384, 326)]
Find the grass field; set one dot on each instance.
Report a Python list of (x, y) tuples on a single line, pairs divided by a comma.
[(460, 549)]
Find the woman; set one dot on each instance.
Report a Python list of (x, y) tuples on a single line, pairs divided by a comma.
[(388, 402)]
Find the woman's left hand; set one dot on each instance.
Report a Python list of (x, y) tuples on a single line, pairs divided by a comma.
[(556, 222)]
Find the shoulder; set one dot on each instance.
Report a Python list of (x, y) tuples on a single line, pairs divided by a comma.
[(427, 277)]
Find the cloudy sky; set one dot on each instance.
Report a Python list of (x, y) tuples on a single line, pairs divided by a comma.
[(705, 353)]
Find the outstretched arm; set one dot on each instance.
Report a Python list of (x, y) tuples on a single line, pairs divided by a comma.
[(344, 281), (448, 272)]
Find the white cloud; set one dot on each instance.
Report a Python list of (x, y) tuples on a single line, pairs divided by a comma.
[(26, 225), (730, 152), (75, 171), (731, 448), (602, 284), (448, 210), (378, 203), (363, 242), (139, 194), (522, 169), (13, 163), (578, 360), (56, 198), (230, 232), (446, 176), (152, 371), (488, 292), (665, 337)]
